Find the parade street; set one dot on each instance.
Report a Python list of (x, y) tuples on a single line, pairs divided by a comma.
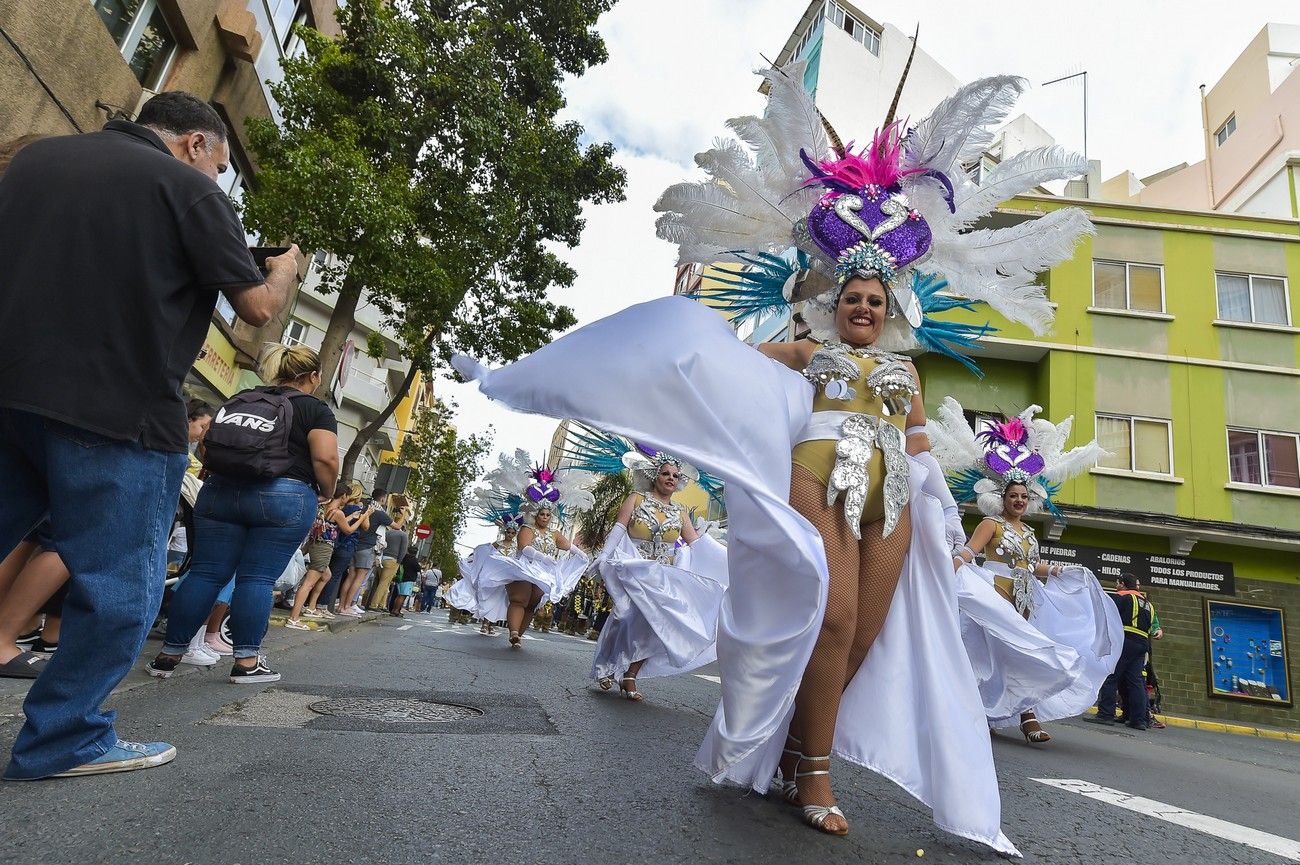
[(554, 770)]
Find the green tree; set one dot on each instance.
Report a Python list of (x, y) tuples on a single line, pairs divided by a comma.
[(443, 465), (422, 148), (594, 525)]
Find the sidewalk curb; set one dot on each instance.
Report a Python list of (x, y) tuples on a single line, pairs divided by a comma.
[(1221, 727)]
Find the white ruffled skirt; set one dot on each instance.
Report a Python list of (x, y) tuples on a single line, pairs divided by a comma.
[(1074, 629), (665, 615)]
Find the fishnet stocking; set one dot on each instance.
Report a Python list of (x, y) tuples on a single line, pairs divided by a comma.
[(524, 598), (881, 562), (863, 576)]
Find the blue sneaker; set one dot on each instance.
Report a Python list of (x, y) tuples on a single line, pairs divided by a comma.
[(125, 757)]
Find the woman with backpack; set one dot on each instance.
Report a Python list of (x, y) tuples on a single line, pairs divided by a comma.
[(271, 452)]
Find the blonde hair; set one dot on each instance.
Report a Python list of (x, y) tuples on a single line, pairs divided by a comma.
[(281, 364)]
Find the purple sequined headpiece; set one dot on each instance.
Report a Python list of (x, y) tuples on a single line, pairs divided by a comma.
[(864, 222), (1007, 452)]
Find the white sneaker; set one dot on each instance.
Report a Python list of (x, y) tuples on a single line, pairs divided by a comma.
[(356, 611), (200, 657)]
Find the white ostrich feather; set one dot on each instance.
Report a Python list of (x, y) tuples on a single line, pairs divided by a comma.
[(750, 202), (952, 441), (999, 265), (1019, 174), (960, 127), (575, 490)]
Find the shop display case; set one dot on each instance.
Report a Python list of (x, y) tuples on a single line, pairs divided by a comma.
[(1247, 657)]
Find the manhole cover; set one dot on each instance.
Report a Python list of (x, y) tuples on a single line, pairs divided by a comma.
[(393, 710)]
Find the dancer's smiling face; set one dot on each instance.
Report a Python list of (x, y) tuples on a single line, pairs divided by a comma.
[(860, 313), (667, 479), (1015, 499)]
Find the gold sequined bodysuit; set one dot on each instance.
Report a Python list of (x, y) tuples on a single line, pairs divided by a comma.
[(868, 449), (544, 543), (1012, 556), (655, 530)]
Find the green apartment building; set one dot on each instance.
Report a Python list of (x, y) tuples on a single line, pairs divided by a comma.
[(1175, 343)]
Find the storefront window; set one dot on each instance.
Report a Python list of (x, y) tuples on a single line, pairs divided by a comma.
[(1247, 648)]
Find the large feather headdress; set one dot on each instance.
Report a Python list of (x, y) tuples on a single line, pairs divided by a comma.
[(1022, 449), (516, 490), (605, 453), (799, 213)]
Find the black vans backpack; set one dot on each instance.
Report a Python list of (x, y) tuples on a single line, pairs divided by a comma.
[(249, 437)]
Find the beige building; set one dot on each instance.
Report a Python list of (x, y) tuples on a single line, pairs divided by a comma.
[(68, 66), (1250, 123)]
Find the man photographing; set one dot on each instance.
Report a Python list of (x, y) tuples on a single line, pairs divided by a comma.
[(114, 246)]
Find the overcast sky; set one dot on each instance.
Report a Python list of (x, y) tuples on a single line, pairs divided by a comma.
[(678, 68)]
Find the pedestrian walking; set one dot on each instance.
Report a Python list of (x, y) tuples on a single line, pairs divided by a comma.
[(409, 572), (126, 234), (256, 508)]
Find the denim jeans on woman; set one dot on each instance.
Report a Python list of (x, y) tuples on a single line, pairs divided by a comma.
[(247, 528), (110, 505)]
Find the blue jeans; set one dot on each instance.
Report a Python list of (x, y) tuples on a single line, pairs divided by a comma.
[(429, 598), (111, 505), (249, 529), (339, 564)]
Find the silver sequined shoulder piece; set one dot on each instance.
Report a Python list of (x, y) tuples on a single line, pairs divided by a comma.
[(829, 364)]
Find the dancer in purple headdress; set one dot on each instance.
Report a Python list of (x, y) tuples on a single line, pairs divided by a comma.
[(1010, 470)]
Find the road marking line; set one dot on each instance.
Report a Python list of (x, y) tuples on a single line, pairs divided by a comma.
[(1275, 844), (404, 628), (714, 679)]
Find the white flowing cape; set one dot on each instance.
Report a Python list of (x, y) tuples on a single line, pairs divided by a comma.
[(712, 400), (465, 594), (1074, 626), (665, 615)]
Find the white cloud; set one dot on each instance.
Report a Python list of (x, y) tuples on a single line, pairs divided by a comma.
[(679, 68)]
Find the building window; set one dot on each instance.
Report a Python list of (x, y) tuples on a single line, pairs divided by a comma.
[(1261, 458), (295, 333), (1125, 285), (1136, 444), (1225, 131), (809, 36), (867, 36), (141, 32), (1259, 299)]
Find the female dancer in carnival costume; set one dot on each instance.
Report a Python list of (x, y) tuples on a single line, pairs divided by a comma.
[(545, 565), (499, 508), (792, 632), (1010, 469), (665, 578)]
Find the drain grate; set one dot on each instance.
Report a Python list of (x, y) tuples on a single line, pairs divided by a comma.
[(392, 711)]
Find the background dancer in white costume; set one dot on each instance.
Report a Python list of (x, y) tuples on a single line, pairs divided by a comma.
[(1010, 469), (666, 579)]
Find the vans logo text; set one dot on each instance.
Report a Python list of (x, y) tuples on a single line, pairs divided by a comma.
[(251, 421)]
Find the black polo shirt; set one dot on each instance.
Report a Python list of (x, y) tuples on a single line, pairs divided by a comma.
[(112, 252)]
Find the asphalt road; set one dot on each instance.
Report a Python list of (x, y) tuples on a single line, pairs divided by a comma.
[(554, 770)]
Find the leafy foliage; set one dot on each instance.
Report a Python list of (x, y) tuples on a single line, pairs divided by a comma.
[(422, 149), (443, 466), (594, 525)]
